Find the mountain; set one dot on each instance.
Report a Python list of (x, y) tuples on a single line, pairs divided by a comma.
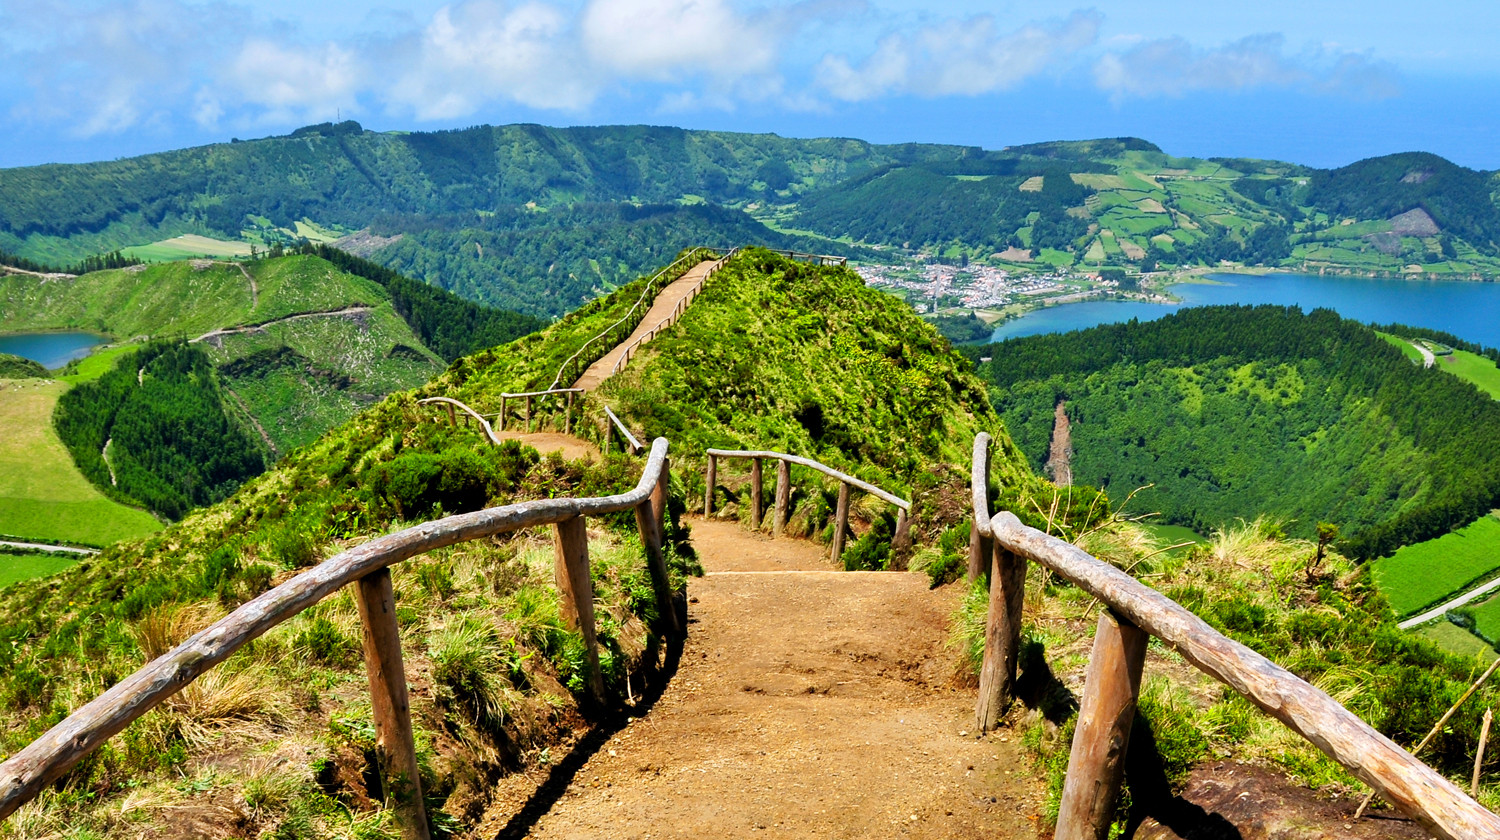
[(542, 219)]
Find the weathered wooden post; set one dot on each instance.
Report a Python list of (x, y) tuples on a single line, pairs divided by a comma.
[(576, 586), (979, 545), (1002, 636), (568, 423), (783, 496), (649, 523), (1096, 764), (840, 522), (390, 705), (452, 420), (901, 542), (502, 412), (528, 414), (709, 480), (1484, 737), (755, 500)]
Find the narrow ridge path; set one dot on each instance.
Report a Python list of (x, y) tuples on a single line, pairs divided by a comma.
[(809, 702), (661, 309)]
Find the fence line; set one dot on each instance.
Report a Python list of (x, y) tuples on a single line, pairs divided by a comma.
[(46, 759), (1134, 611), (671, 319), (784, 461)]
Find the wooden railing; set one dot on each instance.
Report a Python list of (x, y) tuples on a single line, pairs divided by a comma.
[(671, 319), (1133, 612), (784, 462), (620, 330), (613, 422), (568, 393), (47, 758), (819, 259)]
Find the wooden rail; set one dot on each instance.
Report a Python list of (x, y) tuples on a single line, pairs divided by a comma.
[(530, 395), (648, 292), (784, 494), (671, 319), (47, 758), (1134, 611), (632, 446), (819, 259)]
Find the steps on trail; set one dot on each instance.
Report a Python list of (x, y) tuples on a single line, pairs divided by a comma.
[(666, 301), (809, 701)]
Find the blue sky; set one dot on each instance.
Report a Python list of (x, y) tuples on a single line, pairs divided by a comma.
[(1314, 82)]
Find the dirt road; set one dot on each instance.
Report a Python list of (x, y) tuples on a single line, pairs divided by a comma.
[(660, 311), (808, 703)]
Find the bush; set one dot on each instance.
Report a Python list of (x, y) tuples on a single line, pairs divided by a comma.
[(455, 480)]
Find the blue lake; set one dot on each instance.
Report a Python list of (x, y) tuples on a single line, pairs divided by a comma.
[(1468, 310), (53, 349)]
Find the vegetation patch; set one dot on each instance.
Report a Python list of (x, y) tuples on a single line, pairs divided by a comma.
[(1422, 575)]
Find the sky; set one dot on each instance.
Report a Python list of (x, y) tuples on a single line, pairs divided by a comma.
[(1314, 82)]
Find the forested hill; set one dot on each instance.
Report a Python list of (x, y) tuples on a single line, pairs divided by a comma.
[(1237, 411), (543, 219)]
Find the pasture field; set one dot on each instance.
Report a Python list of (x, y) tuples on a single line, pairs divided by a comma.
[(95, 364), (43, 496), (1402, 345), (1487, 617), (1172, 535), (1418, 576), (188, 246), (1458, 641), (1474, 368), (27, 565)]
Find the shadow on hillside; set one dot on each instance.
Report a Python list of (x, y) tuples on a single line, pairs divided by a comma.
[(610, 724)]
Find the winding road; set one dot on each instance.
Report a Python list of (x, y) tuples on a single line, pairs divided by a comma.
[(1437, 611)]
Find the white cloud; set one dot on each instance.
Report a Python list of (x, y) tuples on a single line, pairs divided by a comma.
[(475, 53), (959, 58), (293, 83), (661, 39), (1173, 67)]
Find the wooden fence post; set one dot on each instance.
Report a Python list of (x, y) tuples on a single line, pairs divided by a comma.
[(755, 498), (649, 522), (709, 480), (1484, 736), (576, 586), (452, 420), (979, 552), (783, 496), (568, 423), (502, 413), (1096, 764), (395, 749), (528, 415), (901, 542), (840, 522), (1002, 637)]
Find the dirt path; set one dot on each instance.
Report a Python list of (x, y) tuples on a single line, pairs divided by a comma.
[(807, 703), (104, 456), (659, 313), (1427, 355), (357, 309), (254, 290), (572, 448)]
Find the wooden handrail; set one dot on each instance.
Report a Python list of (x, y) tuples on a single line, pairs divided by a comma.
[(47, 758), (1413, 787), (820, 467), (783, 495), (677, 312), (543, 393), (607, 330), (635, 445)]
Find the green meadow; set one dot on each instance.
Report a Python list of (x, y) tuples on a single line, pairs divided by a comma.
[(1457, 640), (1474, 368), (1421, 575), (43, 496), (28, 565)]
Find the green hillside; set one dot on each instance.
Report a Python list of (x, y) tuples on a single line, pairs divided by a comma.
[(1237, 411), (16, 367), (480, 619), (542, 219)]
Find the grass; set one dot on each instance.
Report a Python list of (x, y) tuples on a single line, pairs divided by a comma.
[(43, 496), (1458, 641), (188, 246), (1487, 618), (1404, 346), (29, 565), (1473, 368), (1421, 575), (1172, 535)]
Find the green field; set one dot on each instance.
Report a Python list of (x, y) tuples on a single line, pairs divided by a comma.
[(43, 496), (1458, 641), (27, 565), (1420, 575), (1487, 618), (186, 247), (1173, 534), (1473, 368), (1403, 345)]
